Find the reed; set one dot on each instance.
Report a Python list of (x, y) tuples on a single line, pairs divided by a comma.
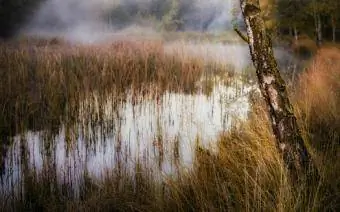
[(47, 78), (246, 173)]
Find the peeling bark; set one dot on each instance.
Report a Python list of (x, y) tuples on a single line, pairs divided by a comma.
[(288, 136)]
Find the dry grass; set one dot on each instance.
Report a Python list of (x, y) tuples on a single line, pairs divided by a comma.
[(246, 174), (317, 99), (318, 96), (46, 78)]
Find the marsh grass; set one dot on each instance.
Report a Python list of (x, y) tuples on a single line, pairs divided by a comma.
[(245, 174), (47, 79), (317, 99)]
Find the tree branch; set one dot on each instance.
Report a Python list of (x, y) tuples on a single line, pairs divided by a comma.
[(244, 37)]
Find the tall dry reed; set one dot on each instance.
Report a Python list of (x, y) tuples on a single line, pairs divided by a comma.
[(47, 78), (245, 174)]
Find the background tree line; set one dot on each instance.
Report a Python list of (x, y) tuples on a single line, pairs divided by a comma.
[(169, 15), (318, 19)]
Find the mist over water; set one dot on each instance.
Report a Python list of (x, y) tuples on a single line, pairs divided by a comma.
[(74, 20), (91, 21)]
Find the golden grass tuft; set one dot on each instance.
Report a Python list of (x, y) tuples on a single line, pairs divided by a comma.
[(317, 96), (247, 173)]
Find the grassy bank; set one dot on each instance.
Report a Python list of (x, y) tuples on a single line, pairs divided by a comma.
[(246, 174)]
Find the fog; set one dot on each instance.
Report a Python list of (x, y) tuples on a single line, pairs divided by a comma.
[(91, 21), (95, 20)]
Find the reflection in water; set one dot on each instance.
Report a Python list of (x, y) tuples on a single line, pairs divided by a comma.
[(160, 131)]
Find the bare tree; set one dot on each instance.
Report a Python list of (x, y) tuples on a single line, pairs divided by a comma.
[(316, 8), (332, 8), (273, 89)]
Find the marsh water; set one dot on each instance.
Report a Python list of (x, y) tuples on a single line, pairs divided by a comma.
[(160, 130)]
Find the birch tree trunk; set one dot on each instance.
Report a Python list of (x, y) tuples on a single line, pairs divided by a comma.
[(296, 34), (290, 31), (333, 20), (318, 30), (273, 89)]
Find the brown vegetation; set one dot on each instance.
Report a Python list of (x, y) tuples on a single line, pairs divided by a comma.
[(246, 174), (317, 101), (43, 78)]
